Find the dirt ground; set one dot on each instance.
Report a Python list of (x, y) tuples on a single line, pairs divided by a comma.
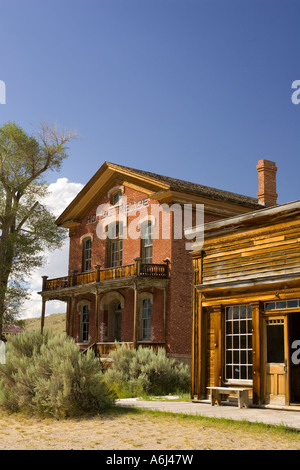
[(136, 431)]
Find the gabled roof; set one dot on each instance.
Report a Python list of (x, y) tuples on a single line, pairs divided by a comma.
[(188, 187), (163, 188)]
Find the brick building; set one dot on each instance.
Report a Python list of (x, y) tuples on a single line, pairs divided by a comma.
[(130, 273)]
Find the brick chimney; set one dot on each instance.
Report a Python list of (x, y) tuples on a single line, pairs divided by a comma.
[(267, 182)]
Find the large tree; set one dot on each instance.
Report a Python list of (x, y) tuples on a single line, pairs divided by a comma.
[(27, 228)]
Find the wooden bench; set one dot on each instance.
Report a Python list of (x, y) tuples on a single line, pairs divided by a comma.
[(242, 394)]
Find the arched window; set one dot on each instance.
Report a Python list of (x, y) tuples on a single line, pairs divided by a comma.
[(116, 197), (146, 241), (84, 323), (86, 254), (146, 318)]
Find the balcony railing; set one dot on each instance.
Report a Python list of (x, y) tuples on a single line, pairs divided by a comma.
[(138, 269), (105, 348)]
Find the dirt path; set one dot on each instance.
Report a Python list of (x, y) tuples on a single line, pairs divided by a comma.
[(132, 431)]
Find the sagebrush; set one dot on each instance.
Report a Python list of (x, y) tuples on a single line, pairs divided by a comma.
[(145, 372), (46, 374)]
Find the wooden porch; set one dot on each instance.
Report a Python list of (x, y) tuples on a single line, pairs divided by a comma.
[(137, 269)]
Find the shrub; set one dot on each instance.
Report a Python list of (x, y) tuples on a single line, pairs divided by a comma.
[(145, 371), (48, 375)]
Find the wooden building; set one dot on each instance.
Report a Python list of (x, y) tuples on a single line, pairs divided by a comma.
[(134, 289), (246, 306)]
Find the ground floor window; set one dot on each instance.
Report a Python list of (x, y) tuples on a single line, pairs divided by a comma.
[(85, 318), (238, 343), (146, 319)]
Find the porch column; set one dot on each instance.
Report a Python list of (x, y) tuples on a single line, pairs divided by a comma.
[(69, 306), (96, 334), (165, 316), (199, 333), (72, 315), (256, 345), (135, 314), (43, 314)]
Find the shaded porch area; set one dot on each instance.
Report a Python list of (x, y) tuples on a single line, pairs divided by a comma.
[(124, 308)]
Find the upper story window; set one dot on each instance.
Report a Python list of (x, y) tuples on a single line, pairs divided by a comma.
[(115, 247), (116, 198), (86, 254), (146, 241)]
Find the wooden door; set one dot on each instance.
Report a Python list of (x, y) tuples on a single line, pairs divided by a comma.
[(276, 360)]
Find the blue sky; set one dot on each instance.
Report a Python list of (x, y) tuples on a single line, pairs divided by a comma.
[(194, 89)]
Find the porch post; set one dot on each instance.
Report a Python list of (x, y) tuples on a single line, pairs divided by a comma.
[(256, 339), (165, 316), (43, 314), (72, 316), (69, 305), (137, 266), (217, 312), (96, 339), (135, 313)]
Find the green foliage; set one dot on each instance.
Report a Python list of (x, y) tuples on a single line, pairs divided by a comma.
[(49, 376), (27, 227), (145, 371)]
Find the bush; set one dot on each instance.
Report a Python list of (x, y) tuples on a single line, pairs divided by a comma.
[(48, 375), (145, 371)]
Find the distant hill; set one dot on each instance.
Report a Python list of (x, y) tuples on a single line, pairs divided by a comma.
[(56, 322)]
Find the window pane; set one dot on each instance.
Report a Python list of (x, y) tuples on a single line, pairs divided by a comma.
[(115, 233), (147, 241), (146, 319), (87, 254), (243, 311), (275, 343), (292, 303), (117, 197), (235, 313), (229, 372)]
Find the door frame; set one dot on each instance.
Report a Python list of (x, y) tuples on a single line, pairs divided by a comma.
[(279, 316)]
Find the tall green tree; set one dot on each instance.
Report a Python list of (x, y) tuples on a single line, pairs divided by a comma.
[(27, 228)]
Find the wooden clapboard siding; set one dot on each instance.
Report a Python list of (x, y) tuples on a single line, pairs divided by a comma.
[(250, 255), (250, 259)]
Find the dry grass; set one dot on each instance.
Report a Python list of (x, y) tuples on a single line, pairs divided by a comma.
[(123, 429), (56, 322)]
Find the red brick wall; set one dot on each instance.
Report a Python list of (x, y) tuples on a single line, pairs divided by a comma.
[(131, 247), (179, 311)]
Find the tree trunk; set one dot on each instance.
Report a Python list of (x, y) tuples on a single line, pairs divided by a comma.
[(6, 253)]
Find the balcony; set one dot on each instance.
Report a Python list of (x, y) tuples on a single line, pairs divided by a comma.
[(137, 269)]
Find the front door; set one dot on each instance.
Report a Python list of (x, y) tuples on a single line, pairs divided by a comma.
[(118, 323), (276, 360), (114, 322)]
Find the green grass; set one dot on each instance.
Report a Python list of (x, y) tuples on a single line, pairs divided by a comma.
[(217, 423)]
